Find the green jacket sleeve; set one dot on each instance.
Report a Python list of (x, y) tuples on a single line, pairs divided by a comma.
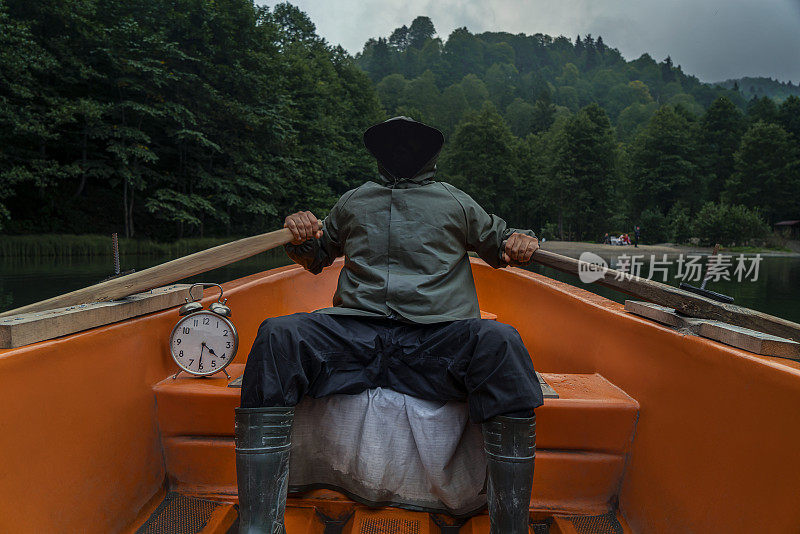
[(484, 234), (316, 254)]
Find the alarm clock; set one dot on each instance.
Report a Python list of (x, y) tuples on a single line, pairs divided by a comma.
[(203, 342)]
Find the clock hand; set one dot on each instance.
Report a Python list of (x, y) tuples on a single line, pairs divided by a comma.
[(200, 363), (214, 353)]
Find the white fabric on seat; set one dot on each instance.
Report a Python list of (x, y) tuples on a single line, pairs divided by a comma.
[(383, 447)]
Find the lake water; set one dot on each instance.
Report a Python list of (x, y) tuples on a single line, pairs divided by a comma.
[(775, 290), (25, 280)]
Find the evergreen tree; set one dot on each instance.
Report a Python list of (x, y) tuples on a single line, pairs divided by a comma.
[(481, 159), (475, 91), (584, 174), (420, 31), (533, 178), (600, 45), (767, 173), (542, 116), (789, 117), (430, 58), (452, 108), (633, 118), (663, 169), (519, 116), (381, 65), (502, 81), (720, 132), (390, 90), (463, 53), (421, 98), (667, 75), (399, 39), (762, 109), (579, 46), (591, 55)]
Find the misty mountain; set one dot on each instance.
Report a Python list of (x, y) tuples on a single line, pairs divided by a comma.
[(758, 87)]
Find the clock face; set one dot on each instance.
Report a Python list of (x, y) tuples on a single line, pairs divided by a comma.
[(203, 343)]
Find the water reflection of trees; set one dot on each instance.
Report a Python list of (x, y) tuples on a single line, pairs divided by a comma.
[(24, 280)]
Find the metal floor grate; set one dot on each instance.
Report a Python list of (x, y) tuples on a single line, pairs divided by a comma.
[(597, 524), (178, 514), (388, 525)]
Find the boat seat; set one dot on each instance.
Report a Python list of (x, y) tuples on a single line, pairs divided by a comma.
[(582, 439)]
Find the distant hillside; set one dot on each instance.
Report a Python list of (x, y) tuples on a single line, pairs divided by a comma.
[(565, 135), (418, 73), (758, 87)]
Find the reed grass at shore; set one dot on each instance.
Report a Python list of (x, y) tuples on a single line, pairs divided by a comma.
[(57, 245)]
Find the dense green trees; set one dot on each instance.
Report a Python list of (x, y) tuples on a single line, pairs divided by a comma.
[(762, 87), (767, 172), (728, 224), (584, 142), (177, 118), (173, 118), (538, 67)]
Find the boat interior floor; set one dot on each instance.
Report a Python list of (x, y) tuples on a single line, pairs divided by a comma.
[(181, 514), (583, 439)]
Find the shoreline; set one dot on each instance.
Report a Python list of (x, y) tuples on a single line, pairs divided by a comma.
[(93, 245), (574, 249)]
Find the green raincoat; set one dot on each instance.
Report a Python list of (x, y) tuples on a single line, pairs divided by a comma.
[(405, 240)]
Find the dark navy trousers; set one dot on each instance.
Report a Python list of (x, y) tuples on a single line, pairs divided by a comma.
[(478, 360)]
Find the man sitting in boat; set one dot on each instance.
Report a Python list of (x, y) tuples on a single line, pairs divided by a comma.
[(405, 316)]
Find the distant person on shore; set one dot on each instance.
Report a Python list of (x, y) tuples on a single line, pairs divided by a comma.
[(636, 232), (606, 239)]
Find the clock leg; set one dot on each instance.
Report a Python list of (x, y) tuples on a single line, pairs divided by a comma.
[(226, 373), (176, 375)]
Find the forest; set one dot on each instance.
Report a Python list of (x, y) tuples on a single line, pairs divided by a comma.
[(750, 87), (191, 118)]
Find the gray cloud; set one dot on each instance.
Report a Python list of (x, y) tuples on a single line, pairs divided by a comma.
[(712, 39)]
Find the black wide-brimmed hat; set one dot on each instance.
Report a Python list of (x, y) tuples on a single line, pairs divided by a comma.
[(403, 146)]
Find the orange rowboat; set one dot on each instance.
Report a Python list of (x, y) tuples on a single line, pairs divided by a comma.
[(653, 431)]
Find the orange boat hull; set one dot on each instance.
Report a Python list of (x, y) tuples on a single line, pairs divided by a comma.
[(679, 433)]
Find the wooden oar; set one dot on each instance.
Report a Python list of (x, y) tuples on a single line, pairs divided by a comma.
[(687, 303), (163, 274), (684, 302)]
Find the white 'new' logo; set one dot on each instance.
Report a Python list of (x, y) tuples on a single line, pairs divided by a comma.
[(591, 267)]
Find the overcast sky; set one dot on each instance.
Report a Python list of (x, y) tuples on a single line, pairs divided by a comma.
[(712, 39)]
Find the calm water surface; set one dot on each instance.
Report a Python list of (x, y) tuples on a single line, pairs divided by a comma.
[(27, 280)]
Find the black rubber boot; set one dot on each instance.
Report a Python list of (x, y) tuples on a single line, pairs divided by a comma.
[(262, 467), (510, 444)]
